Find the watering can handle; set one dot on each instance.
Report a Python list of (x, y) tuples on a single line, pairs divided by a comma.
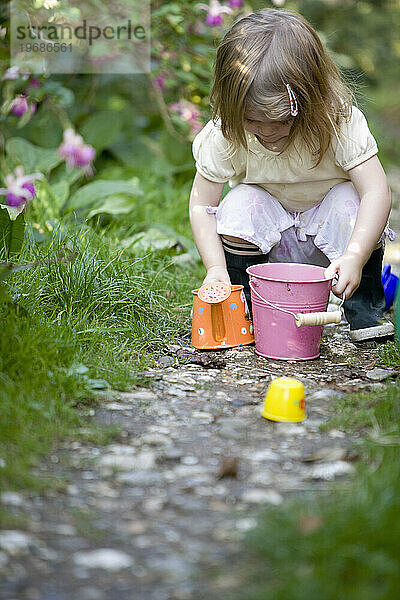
[(315, 318)]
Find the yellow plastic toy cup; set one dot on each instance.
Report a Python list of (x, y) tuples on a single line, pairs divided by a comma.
[(284, 401)]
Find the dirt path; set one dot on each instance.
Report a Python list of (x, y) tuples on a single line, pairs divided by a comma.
[(160, 514)]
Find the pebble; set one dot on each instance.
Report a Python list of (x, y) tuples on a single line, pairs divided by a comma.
[(204, 416), (330, 471), (264, 455), (143, 461), (12, 499), (261, 496), (104, 558), (189, 460), (156, 439), (325, 394), (15, 542), (144, 395), (377, 374)]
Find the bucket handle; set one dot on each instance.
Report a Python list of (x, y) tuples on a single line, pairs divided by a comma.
[(314, 318)]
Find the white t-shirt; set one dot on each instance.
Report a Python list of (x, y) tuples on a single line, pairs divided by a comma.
[(288, 176)]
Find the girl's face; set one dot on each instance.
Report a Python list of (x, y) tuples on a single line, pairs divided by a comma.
[(258, 124)]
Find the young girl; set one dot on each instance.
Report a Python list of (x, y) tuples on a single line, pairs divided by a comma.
[(306, 183)]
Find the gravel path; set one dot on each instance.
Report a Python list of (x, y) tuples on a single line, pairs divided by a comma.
[(160, 513)]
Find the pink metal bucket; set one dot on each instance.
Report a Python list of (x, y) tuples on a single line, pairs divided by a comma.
[(280, 292)]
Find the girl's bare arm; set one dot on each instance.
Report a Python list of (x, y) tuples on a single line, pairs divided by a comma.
[(370, 181), (204, 226)]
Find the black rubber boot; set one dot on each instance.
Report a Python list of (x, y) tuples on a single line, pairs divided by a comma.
[(236, 265), (364, 310)]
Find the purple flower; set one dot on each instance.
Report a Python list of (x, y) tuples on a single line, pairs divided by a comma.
[(34, 82), (160, 82), (215, 10), (19, 106), (20, 189), (236, 3), (75, 152)]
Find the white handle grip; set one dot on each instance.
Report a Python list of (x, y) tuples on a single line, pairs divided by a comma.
[(318, 318)]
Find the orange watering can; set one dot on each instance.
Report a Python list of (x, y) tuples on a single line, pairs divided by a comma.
[(220, 317)]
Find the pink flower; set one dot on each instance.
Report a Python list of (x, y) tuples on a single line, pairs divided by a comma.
[(19, 106), (20, 189), (185, 109), (189, 113), (75, 152), (215, 10), (236, 3)]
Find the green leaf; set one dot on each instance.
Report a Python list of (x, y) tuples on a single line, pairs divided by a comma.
[(32, 158), (100, 189), (114, 205), (152, 239), (60, 191), (11, 232), (102, 129)]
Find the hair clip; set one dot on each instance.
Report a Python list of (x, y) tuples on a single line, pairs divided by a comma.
[(294, 109)]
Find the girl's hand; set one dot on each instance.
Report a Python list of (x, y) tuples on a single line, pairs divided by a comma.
[(217, 274), (348, 268)]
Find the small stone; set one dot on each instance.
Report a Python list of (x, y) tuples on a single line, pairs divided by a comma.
[(136, 527), (190, 470), (15, 542), (325, 394), (330, 471), (12, 499), (260, 478), (260, 496), (156, 439), (172, 454), (143, 461), (116, 406), (166, 361), (204, 416), (143, 395), (327, 454), (3, 559), (265, 455), (290, 429), (335, 433), (153, 505), (246, 524), (189, 460), (377, 374), (64, 529), (107, 559), (142, 478), (230, 433)]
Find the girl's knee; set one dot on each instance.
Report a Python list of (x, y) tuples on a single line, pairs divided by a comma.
[(343, 197)]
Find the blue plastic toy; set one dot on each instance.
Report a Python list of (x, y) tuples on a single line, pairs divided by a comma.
[(390, 283)]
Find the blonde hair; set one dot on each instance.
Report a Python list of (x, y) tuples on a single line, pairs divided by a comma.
[(258, 56)]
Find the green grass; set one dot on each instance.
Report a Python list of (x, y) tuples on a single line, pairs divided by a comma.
[(88, 320), (344, 543)]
